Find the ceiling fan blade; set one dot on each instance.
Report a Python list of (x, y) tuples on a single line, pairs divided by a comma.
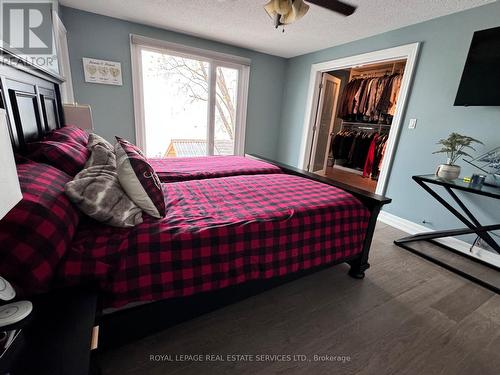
[(336, 6)]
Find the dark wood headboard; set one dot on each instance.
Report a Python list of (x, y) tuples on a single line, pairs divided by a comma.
[(31, 97)]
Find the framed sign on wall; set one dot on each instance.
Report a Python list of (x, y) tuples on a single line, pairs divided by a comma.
[(102, 71)]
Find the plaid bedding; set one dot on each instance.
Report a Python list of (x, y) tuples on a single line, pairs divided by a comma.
[(36, 233), (219, 232), (68, 133), (69, 157), (197, 168)]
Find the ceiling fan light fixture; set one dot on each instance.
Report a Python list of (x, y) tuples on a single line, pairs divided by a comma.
[(280, 7), (298, 10), (285, 12)]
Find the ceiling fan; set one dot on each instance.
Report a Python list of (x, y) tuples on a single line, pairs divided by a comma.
[(285, 12)]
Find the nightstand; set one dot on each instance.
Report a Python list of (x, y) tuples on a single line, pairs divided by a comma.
[(56, 337)]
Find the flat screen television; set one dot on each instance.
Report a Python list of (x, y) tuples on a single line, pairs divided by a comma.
[(480, 84)]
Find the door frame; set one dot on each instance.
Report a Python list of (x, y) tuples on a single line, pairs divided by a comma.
[(408, 52), (338, 82), (242, 64)]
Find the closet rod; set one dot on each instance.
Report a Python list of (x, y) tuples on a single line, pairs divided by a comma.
[(362, 124), (394, 69), (374, 74), (365, 126)]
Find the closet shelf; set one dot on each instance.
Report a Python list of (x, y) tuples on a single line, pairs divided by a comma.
[(349, 123), (365, 126)]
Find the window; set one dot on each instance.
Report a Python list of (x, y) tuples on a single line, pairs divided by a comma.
[(188, 102)]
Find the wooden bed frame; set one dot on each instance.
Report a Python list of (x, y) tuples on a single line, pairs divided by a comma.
[(31, 97)]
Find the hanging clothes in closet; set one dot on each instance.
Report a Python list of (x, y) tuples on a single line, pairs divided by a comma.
[(375, 156), (370, 99), (370, 157), (361, 150)]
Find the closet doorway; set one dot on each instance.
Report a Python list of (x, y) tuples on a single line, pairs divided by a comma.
[(355, 108)]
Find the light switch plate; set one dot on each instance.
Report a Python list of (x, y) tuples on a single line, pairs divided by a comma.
[(412, 124)]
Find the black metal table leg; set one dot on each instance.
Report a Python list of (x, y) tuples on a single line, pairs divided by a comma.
[(446, 233), (474, 228), (483, 234), (451, 268)]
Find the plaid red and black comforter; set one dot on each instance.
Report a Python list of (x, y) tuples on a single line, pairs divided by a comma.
[(197, 168), (219, 232)]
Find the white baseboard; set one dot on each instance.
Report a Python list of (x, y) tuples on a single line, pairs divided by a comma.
[(413, 228)]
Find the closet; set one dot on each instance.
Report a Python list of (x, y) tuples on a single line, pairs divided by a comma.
[(363, 109)]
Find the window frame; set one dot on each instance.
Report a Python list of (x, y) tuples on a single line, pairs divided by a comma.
[(215, 59)]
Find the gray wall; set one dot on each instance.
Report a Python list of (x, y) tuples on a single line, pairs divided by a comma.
[(100, 37), (443, 52)]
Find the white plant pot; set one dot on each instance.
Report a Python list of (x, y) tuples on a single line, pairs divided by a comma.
[(448, 172)]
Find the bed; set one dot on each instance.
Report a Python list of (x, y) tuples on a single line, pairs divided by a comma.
[(196, 168), (221, 237), (217, 233)]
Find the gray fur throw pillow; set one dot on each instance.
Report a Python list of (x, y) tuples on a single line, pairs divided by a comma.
[(98, 193), (95, 139), (100, 155)]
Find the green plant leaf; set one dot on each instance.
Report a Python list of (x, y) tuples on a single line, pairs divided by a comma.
[(454, 145)]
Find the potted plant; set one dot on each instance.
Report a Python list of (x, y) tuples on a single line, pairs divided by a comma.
[(454, 147)]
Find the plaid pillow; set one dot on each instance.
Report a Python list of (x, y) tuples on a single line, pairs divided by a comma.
[(130, 146), (68, 133), (69, 157), (36, 233), (138, 179)]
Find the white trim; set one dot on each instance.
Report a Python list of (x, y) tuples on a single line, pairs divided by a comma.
[(188, 50), (408, 52), (215, 59), (459, 245), (61, 40), (212, 97), (241, 111), (137, 89)]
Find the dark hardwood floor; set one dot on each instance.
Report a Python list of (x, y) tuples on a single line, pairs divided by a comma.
[(408, 316)]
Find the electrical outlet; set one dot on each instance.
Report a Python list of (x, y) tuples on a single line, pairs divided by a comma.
[(412, 124)]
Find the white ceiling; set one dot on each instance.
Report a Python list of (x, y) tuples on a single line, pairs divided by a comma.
[(244, 23)]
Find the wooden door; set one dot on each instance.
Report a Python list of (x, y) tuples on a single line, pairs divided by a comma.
[(325, 120)]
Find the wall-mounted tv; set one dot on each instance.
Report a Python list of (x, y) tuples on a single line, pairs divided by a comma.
[(480, 84)]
